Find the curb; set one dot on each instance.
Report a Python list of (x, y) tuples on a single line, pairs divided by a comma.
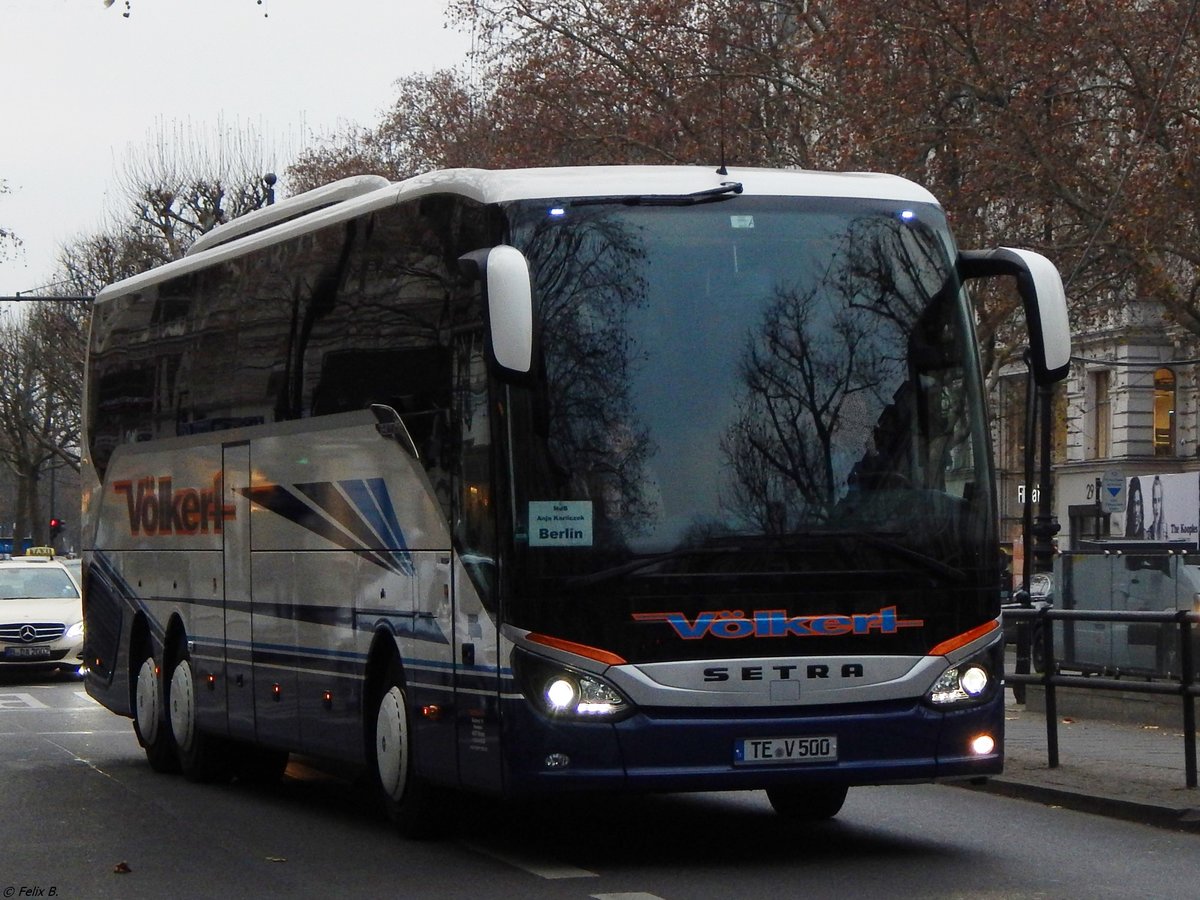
[(1174, 818)]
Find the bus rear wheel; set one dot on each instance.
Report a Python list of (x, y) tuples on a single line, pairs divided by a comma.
[(411, 803), (150, 720), (202, 757), (808, 804)]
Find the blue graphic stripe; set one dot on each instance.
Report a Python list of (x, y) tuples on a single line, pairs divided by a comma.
[(283, 502), (374, 504)]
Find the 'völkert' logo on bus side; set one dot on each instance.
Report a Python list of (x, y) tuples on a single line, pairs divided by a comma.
[(156, 507)]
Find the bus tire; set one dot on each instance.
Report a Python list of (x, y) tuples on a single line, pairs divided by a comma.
[(150, 718), (410, 802), (814, 803), (202, 757)]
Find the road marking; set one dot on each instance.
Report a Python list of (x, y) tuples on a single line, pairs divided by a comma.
[(639, 895), (543, 868), (21, 701)]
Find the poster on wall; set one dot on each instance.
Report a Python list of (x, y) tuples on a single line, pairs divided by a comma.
[(1160, 508)]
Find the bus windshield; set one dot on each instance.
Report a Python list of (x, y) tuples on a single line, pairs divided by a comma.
[(746, 404)]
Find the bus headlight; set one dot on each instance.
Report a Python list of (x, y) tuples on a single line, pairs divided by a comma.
[(967, 683), (563, 692), (582, 695)]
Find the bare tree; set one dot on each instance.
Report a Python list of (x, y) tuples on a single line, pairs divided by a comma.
[(40, 371), (1069, 127), (186, 181)]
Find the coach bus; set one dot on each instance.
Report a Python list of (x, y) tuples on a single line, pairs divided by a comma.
[(533, 481)]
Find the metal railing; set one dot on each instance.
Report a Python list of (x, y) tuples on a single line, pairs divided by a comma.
[(1182, 684)]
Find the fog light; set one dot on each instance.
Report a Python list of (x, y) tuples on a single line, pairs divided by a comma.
[(983, 745)]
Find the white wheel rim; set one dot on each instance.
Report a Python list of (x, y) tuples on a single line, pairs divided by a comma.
[(183, 700), (391, 743), (147, 701)]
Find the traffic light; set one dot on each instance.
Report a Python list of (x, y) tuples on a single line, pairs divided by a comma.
[(56, 527)]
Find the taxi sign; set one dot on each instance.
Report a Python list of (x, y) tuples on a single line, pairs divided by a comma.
[(40, 551)]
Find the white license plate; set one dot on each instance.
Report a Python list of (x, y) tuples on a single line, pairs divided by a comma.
[(27, 652), (752, 751)]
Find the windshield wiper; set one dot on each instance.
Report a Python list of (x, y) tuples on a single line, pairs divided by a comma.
[(883, 542), (724, 191), (644, 562), (874, 539)]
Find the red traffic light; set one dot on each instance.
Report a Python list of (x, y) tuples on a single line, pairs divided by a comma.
[(56, 527)]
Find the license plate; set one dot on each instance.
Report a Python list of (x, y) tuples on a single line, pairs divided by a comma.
[(754, 751), (27, 652)]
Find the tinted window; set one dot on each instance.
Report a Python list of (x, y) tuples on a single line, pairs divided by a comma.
[(332, 321)]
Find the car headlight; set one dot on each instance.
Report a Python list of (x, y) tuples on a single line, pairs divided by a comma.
[(972, 681), (563, 692), (75, 631)]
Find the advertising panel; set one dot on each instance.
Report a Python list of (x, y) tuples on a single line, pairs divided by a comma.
[(1160, 508)]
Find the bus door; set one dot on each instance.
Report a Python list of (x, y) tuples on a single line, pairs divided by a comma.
[(477, 690), (474, 575), (239, 673)]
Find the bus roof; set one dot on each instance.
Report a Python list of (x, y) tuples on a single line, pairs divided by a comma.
[(355, 196)]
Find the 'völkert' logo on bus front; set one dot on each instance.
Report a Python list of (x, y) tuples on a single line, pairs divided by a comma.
[(776, 623), (156, 507)]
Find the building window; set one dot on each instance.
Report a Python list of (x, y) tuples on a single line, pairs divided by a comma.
[(1011, 420), (1164, 413), (1101, 442)]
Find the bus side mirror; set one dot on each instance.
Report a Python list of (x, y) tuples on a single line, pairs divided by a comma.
[(503, 273), (1045, 301)]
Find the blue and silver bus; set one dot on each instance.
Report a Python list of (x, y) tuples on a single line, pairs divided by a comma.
[(531, 481)]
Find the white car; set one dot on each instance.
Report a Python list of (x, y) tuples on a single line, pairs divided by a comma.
[(41, 614)]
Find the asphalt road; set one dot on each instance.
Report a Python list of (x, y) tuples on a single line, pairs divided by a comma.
[(83, 816)]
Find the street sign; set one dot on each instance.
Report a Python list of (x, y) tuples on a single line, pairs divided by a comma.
[(1112, 491)]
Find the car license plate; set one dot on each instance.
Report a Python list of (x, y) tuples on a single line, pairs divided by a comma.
[(26, 652), (753, 751)]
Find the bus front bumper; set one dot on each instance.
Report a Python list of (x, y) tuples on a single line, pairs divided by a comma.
[(691, 750)]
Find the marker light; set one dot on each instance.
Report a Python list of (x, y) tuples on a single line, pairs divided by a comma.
[(983, 744), (907, 215), (557, 211)]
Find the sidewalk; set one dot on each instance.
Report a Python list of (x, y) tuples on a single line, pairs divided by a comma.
[(1126, 770)]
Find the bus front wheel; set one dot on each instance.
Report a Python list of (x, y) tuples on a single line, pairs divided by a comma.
[(201, 756), (409, 801), (808, 804), (150, 720)]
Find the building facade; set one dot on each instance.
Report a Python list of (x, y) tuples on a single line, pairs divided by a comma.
[(1129, 410)]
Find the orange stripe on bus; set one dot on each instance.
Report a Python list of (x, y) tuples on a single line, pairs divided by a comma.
[(578, 649), (962, 640)]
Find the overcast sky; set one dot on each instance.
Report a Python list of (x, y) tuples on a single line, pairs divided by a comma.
[(82, 86)]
